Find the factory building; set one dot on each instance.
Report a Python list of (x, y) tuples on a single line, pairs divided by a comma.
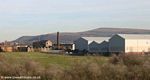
[(91, 44), (129, 43), (42, 44), (102, 47)]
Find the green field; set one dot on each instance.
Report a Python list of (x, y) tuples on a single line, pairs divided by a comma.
[(52, 59), (65, 67)]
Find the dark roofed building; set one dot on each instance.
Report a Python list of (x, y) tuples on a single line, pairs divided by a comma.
[(42, 44)]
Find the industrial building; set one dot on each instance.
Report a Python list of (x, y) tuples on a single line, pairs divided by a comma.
[(102, 47), (42, 44), (22, 48), (91, 44), (64, 46), (129, 43), (7, 48)]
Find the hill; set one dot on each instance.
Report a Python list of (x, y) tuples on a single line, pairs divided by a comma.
[(70, 37)]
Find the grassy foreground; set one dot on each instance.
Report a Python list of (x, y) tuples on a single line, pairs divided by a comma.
[(51, 59), (63, 67)]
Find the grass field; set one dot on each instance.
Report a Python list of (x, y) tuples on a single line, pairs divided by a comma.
[(55, 59), (65, 67)]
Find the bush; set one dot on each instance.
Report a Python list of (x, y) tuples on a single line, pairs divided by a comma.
[(128, 60), (137, 66), (122, 67)]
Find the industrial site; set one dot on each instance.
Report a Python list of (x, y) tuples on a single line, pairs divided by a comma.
[(75, 40), (117, 56), (117, 43)]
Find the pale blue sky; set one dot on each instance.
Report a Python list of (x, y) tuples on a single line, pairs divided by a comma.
[(33, 17)]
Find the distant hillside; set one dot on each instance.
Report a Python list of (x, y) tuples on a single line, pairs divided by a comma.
[(70, 37)]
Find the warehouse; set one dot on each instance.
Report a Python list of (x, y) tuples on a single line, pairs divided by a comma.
[(84, 43), (129, 43), (99, 47)]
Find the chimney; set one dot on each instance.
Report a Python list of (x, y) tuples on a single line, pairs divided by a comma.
[(57, 40)]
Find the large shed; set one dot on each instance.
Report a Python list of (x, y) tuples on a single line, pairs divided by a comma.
[(89, 43), (129, 43), (102, 46)]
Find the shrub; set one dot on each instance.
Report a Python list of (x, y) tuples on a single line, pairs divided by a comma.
[(122, 67), (53, 72), (128, 60)]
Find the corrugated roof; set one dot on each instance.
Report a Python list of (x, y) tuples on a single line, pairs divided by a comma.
[(135, 36), (96, 39)]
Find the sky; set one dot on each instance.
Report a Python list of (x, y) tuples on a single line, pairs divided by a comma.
[(33, 17)]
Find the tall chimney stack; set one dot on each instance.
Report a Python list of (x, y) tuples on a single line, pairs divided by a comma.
[(57, 40)]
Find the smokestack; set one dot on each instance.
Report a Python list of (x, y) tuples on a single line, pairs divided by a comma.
[(57, 40)]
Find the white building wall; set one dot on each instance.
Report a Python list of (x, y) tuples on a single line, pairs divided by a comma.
[(137, 45), (48, 43), (131, 46), (144, 45), (73, 47)]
